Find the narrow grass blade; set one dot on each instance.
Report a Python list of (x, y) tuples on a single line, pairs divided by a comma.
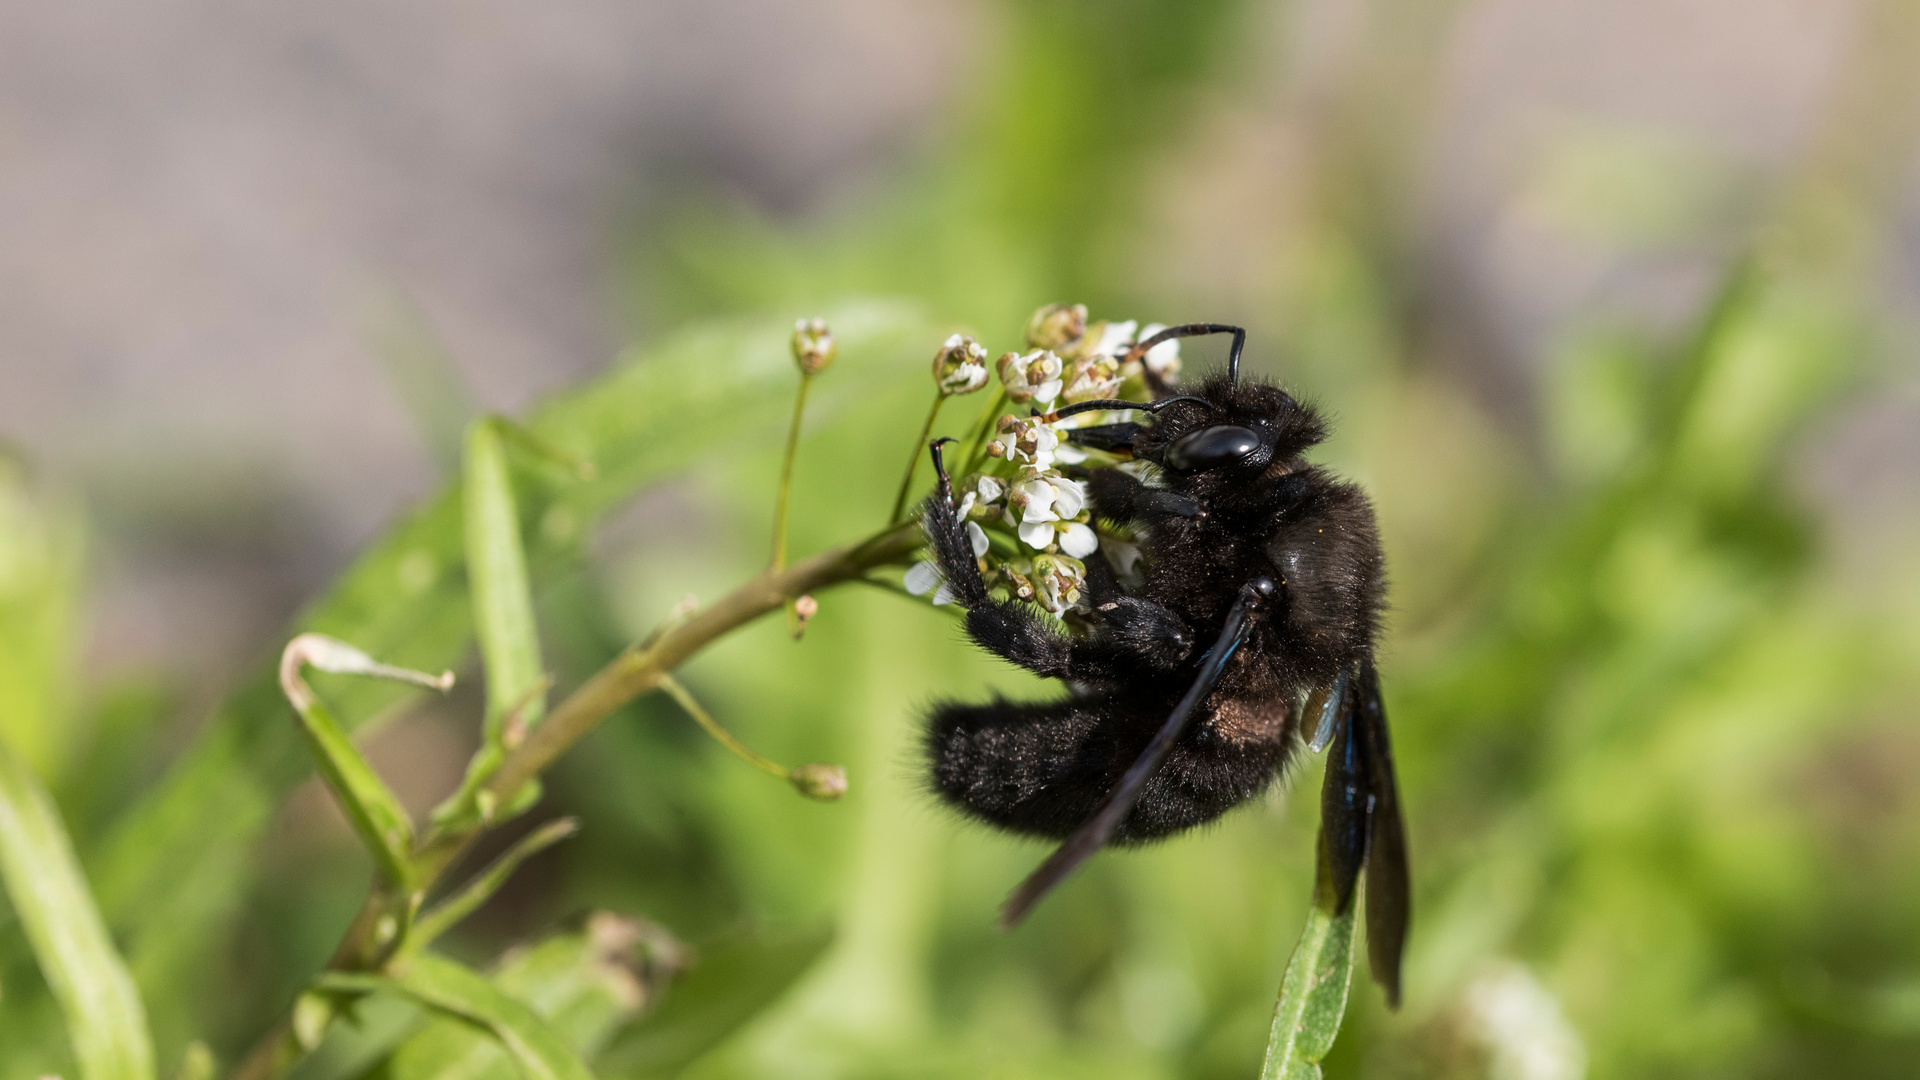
[(458, 991), (1313, 993), (105, 1018), (369, 804), (502, 603), (447, 914), (42, 556), (497, 575)]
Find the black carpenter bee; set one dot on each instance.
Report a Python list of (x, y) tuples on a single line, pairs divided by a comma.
[(1252, 633)]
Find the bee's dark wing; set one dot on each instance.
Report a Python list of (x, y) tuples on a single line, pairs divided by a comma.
[(1360, 824), (1389, 898), (1092, 836), (1346, 798)]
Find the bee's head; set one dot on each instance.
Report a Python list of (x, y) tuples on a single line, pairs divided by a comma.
[(1230, 428)]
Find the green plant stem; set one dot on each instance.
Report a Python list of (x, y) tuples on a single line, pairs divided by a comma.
[(913, 457), (782, 499), (638, 670), (983, 430), (721, 735), (785, 496)]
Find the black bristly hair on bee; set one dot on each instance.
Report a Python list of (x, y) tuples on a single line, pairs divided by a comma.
[(1251, 634)]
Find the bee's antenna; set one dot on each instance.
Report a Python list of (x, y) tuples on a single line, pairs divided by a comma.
[(1105, 404), (1199, 329)]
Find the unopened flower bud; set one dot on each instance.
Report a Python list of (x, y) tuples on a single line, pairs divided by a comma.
[(813, 346), (823, 782), (960, 367), (804, 609), (1056, 326)]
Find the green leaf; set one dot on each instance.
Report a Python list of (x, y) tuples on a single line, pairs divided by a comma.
[(586, 983), (732, 983), (105, 1018), (464, 994), (170, 874), (497, 575), (502, 599), (368, 802), (1313, 994)]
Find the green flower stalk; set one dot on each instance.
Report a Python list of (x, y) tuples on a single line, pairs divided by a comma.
[(960, 367), (813, 352), (816, 781)]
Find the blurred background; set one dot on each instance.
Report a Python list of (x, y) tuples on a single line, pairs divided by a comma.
[(1614, 301)]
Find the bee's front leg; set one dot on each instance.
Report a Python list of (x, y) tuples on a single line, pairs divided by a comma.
[(1121, 497)]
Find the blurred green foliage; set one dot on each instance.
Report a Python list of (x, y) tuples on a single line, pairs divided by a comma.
[(1659, 764)]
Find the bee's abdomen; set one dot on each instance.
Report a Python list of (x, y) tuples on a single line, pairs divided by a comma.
[(1043, 768)]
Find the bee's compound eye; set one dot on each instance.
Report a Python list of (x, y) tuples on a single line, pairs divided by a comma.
[(1211, 446)]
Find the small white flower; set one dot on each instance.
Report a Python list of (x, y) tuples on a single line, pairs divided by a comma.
[(1068, 453), (1025, 440), (989, 488), (1058, 581), (960, 367), (1037, 534), (1034, 377), (978, 537), (943, 595), (922, 577), (1044, 371), (1114, 338), (1069, 497), (1034, 497), (1079, 540)]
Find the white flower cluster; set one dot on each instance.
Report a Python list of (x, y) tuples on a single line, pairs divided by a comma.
[(1020, 496)]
